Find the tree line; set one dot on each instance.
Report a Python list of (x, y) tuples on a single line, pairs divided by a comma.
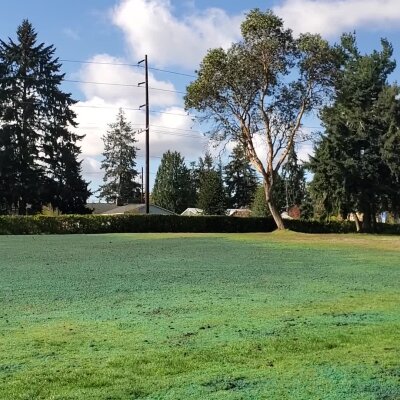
[(38, 149), (264, 85), (257, 91)]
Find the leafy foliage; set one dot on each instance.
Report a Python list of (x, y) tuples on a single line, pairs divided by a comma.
[(259, 206), (263, 86)]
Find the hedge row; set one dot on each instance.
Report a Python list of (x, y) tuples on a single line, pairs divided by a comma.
[(68, 224)]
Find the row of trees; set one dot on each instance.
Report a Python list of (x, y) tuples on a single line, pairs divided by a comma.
[(214, 188), (204, 184), (264, 85), (38, 150)]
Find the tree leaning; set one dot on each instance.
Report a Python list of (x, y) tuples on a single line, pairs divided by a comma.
[(262, 87)]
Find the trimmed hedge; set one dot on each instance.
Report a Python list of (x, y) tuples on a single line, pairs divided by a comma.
[(320, 227), (69, 224), (86, 224)]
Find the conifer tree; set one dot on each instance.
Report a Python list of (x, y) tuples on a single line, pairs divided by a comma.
[(353, 163), (211, 197), (38, 152), (294, 180), (240, 179), (119, 163), (173, 185)]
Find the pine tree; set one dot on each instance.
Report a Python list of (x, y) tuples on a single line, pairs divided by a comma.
[(173, 185), (38, 156), (240, 179), (211, 194), (294, 180), (352, 165), (119, 163)]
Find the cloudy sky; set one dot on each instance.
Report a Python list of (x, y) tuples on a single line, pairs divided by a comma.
[(102, 40)]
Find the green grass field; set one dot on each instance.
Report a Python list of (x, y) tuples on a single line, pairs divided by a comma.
[(200, 316)]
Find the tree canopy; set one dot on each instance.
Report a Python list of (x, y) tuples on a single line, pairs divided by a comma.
[(173, 185), (38, 149), (356, 164), (119, 163), (240, 179), (261, 88)]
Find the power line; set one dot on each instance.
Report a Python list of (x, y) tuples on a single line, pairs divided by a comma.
[(132, 109), (97, 83), (128, 65), (121, 84)]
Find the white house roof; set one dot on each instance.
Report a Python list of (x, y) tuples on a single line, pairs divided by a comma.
[(133, 208), (192, 211)]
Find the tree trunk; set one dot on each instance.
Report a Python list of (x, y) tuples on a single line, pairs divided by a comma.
[(274, 211), (276, 216), (366, 223), (357, 221)]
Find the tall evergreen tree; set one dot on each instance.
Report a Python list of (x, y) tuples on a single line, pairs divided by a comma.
[(294, 179), (240, 179), (38, 152), (119, 163), (352, 166), (211, 194), (173, 185)]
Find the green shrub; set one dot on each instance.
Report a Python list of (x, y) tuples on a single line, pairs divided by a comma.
[(86, 224), (69, 224), (321, 227)]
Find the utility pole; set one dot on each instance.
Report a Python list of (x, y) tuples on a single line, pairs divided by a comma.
[(142, 197), (147, 106)]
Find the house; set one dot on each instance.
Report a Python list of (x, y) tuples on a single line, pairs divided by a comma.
[(192, 212), (113, 209), (238, 212)]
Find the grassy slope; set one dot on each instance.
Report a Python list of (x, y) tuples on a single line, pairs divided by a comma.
[(257, 316)]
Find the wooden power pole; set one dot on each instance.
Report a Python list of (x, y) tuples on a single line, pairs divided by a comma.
[(147, 107)]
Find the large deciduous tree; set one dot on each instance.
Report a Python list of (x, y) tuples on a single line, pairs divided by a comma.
[(356, 164), (261, 88), (173, 188), (119, 163), (38, 151)]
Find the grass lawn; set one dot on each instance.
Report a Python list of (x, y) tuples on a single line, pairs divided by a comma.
[(200, 316)]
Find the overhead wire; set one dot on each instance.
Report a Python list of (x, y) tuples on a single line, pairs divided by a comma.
[(128, 65)]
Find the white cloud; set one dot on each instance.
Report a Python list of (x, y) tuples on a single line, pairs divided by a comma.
[(114, 76), (169, 130), (331, 17), (151, 28)]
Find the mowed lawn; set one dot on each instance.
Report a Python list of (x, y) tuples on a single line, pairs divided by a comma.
[(200, 316)]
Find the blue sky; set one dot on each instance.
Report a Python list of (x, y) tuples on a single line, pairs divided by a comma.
[(176, 35)]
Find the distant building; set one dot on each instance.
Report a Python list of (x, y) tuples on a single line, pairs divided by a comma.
[(112, 209), (192, 212), (238, 212)]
